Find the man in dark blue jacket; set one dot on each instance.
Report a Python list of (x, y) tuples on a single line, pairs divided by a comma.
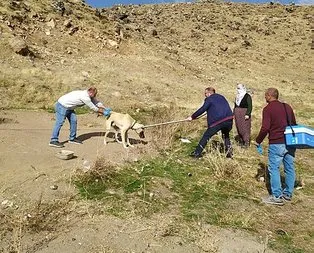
[(219, 118)]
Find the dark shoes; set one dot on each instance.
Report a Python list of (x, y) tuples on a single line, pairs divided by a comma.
[(75, 141), (286, 197), (196, 155), (56, 144), (272, 200), (229, 155)]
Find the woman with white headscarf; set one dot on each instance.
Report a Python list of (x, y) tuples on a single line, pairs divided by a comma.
[(242, 115)]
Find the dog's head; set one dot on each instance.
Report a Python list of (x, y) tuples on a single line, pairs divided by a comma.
[(139, 129), (261, 172)]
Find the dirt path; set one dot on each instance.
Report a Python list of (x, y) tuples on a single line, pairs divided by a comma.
[(26, 157), (29, 167)]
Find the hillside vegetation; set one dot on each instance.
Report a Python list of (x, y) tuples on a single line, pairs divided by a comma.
[(153, 62), (153, 54)]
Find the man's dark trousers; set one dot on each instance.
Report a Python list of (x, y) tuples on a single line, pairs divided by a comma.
[(225, 128)]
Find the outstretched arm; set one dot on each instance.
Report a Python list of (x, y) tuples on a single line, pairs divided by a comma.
[(202, 109)]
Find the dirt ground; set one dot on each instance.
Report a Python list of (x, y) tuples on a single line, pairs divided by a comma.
[(29, 167), (139, 57)]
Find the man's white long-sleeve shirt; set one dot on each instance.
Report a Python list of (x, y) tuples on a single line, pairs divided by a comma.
[(79, 98)]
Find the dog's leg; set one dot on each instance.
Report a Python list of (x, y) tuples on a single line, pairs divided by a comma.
[(108, 126), (116, 134), (123, 135), (128, 140), (117, 137), (106, 133)]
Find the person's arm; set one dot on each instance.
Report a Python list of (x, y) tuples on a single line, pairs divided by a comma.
[(97, 103), (249, 105), (87, 101), (292, 116), (265, 127), (202, 109)]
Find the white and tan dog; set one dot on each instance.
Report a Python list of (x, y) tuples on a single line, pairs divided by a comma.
[(123, 123)]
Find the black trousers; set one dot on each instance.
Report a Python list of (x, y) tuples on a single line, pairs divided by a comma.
[(225, 128)]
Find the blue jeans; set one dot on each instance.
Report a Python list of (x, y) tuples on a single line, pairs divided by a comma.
[(278, 153), (225, 128), (61, 114)]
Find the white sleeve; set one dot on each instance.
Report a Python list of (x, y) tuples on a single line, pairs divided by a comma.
[(97, 103), (87, 101)]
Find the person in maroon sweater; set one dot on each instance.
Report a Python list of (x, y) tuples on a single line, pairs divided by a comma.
[(275, 119)]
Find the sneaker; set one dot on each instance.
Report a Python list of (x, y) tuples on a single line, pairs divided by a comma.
[(272, 200), (228, 155), (286, 197), (196, 155), (56, 144), (75, 141)]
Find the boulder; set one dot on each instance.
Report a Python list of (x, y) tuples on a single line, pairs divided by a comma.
[(19, 46)]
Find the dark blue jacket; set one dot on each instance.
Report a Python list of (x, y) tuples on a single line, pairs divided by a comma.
[(217, 108)]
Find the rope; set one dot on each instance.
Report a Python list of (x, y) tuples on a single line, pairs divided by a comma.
[(171, 122), (165, 123), (152, 125)]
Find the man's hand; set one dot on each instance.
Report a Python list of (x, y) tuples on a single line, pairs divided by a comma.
[(100, 111), (189, 118), (259, 148), (107, 112), (246, 117)]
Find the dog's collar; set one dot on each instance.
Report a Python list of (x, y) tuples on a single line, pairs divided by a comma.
[(133, 124)]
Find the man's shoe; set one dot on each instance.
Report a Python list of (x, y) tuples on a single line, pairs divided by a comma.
[(229, 155), (75, 141), (272, 200), (286, 197), (56, 144), (196, 155)]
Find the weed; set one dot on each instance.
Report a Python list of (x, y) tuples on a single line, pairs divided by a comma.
[(47, 217)]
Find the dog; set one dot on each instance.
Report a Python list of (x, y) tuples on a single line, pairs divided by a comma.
[(123, 123), (263, 176)]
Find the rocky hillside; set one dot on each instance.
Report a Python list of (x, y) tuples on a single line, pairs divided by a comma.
[(152, 54)]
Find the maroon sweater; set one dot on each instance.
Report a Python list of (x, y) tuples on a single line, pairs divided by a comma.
[(274, 122)]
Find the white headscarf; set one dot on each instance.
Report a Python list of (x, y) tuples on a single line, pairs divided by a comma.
[(241, 91)]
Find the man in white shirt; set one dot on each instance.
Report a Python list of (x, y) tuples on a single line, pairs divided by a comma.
[(64, 108)]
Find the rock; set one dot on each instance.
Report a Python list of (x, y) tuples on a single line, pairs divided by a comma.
[(7, 203), (246, 43), (223, 48), (54, 187), (112, 43), (69, 50), (151, 195), (67, 23), (51, 24), (116, 94), (73, 30), (20, 47), (59, 6), (85, 74), (154, 32), (86, 166)]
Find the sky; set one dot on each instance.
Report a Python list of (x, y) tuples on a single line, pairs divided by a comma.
[(108, 3)]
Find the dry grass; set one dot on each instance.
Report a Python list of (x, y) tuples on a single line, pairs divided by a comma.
[(48, 218), (164, 78), (212, 190)]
